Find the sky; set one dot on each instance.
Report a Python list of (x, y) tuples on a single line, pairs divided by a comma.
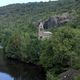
[(6, 2)]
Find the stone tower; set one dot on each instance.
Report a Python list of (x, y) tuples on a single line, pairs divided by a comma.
[(40, 30)]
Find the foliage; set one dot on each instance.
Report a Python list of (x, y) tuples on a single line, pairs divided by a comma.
[(62, 50), (18, 35), (77, 78), (51, 76)]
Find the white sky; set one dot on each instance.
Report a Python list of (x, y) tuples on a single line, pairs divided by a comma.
[(6, 2)]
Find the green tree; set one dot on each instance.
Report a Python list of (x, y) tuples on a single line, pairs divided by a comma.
[(12, 48), (61, 50)]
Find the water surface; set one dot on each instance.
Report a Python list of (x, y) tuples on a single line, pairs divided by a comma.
[(12, 69), (5, 76)]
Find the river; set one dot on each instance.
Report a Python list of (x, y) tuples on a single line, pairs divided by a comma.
[(12, 69)]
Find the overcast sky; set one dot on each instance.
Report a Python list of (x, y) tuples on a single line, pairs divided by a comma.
[(6, 2)]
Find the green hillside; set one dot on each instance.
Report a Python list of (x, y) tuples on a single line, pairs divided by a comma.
[(23, 14), (18, 35)]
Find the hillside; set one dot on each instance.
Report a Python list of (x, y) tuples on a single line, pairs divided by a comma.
[(18, 36), (24, 14)]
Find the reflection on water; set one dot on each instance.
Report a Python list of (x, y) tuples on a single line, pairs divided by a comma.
[(23, 71), (17, 70), (5, 76)]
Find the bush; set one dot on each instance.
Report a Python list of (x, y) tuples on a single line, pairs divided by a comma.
[(51, 76), (77, 78), (62, 49)]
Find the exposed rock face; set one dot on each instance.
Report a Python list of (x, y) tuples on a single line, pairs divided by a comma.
[(56, 20), (69, 75), (51, 22)]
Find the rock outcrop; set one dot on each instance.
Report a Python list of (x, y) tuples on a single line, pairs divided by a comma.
[(69, 74), (57, 20)]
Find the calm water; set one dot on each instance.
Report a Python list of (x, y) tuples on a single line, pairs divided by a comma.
[(17, 70)]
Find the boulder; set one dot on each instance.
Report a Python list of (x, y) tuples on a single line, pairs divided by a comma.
[(69, 74)]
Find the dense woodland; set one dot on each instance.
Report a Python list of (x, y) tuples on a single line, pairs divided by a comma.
[(18, 35)]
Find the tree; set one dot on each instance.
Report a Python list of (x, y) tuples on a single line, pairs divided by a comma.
[(12, 48), (60, 51)]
